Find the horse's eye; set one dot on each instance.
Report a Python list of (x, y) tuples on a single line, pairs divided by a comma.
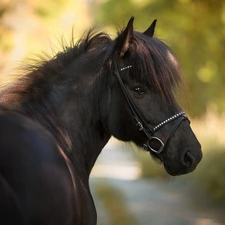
[(139, 90)]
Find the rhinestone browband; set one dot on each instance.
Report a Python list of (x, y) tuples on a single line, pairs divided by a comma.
[(125, 68)]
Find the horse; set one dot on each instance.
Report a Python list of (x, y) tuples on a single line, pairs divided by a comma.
[(57, 117)]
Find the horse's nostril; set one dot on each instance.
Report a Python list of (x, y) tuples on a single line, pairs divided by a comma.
[(188, 159)]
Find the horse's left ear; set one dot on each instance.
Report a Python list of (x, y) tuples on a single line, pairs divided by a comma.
[(124, 39), (150, 31)]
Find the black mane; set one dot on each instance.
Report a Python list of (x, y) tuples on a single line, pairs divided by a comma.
[(50, 69), (152, 62)]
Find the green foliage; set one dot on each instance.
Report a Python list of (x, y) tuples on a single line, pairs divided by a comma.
[(49, 8), (5, 43), (194, 29), (150, 168), (210, 174), (114, 203)]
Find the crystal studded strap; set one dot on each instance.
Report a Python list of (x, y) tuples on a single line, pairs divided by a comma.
[(172, 118), (125, 68), (177, 124), (141, 123)]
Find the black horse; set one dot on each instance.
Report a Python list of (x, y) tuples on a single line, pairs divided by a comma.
[(56, 119)]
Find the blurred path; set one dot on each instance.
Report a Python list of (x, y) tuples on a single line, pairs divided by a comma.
[(151, 202)]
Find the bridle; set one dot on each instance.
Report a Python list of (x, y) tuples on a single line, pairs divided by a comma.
[(140, 121)]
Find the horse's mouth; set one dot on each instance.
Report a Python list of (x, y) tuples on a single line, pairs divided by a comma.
[(178, 169)]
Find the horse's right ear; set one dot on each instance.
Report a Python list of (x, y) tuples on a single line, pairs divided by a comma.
[(124, 39)]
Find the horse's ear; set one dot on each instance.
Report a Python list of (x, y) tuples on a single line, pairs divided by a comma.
[(151, 29), (124, 39)]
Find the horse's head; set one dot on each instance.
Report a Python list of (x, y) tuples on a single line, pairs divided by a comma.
[(143, 108)]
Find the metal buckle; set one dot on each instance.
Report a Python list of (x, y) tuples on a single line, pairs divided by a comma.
[(154, 150), (139, 124)]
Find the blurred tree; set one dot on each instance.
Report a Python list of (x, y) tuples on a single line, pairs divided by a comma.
[(25, 25), (5, 44), (194, 29), (18, 18)]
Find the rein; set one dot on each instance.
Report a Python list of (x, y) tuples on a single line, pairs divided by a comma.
[(140, 121)]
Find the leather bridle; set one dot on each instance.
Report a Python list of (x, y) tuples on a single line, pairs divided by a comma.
[(142, 124)]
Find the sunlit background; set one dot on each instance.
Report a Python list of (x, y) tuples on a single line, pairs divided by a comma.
[(128, 187)]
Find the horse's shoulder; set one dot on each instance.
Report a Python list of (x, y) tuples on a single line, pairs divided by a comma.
[(19, 132), (30, 160)]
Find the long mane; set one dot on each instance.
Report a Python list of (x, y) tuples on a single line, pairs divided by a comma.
[(35, 93), (153, 63), (47, 67)]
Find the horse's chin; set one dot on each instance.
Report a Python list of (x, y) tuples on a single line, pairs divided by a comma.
[(172, 167), (171, 171), (176, 171), (168, 168)]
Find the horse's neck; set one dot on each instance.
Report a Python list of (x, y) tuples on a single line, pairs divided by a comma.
[(73, 120), (80, 117), (87, 136), (67, 105)]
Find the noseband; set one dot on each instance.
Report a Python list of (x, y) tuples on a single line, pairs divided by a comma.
[(142, 124)]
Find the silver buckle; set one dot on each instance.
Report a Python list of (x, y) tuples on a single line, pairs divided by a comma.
[(154, 150)]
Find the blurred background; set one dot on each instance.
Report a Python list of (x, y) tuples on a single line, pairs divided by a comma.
[(128, 187)]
